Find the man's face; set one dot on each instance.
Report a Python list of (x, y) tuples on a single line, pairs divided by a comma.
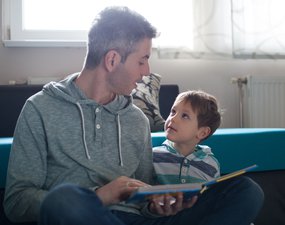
[(127, 74)]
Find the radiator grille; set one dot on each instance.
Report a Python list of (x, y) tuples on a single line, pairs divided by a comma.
[(265, 102)]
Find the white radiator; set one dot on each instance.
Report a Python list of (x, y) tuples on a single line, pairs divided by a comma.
[(264, 102)]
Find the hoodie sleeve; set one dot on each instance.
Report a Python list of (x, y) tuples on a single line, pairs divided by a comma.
[(27, 167)]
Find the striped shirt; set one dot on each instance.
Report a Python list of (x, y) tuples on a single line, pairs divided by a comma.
[(171, 167)]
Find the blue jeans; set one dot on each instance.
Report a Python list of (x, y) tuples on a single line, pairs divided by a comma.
[(233, 202)]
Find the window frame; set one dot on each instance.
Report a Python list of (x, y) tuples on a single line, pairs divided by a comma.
[(14, 35)]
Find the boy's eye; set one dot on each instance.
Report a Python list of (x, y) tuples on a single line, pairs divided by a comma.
[(141, 63), (172, 112), (185, 116)]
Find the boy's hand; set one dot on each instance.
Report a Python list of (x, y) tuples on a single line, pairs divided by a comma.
[(165, 205)]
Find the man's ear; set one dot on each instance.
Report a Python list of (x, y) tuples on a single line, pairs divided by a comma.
[(204, 132), (112, 59)]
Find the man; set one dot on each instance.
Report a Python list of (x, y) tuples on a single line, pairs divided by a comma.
[(81, 147)]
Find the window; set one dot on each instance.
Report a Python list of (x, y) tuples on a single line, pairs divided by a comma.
[(189, 28), (67, 21)]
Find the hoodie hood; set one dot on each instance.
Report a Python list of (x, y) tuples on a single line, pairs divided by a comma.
[(67, 90)]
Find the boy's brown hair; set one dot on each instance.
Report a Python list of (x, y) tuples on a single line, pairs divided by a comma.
[(205, 106)]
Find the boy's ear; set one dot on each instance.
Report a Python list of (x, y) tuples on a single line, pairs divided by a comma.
[(204, 132), (112, 59)]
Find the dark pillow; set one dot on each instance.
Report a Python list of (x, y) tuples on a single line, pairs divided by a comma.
[(146, 97)]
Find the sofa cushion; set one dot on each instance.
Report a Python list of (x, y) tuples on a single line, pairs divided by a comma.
[(146, 97)]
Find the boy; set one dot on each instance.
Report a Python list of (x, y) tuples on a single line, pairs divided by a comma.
[(194, 117)]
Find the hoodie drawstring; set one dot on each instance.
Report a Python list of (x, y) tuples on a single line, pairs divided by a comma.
[(84, 134), (83, 130), (119, 140)]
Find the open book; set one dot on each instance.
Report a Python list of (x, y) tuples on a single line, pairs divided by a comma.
[(189, 189)]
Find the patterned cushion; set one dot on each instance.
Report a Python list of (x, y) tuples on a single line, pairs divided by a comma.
[(146, 97)]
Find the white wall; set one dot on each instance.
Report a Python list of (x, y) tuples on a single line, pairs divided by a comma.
[(215, 77), (18, 63)]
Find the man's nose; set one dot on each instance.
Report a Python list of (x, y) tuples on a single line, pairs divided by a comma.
[(146, 70)]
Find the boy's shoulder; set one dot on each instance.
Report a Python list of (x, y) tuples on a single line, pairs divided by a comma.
[(202, 151), (165, 147)]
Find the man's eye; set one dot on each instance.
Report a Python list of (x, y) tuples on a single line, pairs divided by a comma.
[(141, 63)]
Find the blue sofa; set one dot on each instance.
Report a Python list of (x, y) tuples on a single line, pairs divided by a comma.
[(235, 149)]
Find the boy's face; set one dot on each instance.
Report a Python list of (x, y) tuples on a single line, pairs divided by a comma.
[(127, 74), (181, 125)]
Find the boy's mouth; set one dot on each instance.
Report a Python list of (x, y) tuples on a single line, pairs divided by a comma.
[(171, 128)]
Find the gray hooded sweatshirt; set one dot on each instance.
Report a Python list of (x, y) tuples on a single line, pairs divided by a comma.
[(63, 137)]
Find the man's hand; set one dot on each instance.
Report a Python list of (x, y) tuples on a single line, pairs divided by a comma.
[(118, 190), (165, 206)]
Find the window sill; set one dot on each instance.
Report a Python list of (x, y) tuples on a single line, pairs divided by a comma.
[(44, 43)]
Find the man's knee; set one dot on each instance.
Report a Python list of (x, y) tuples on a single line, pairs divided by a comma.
[(253, 191)]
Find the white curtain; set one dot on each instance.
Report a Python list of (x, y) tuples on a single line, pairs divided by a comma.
[(258, 28), (189, 28), (232, 29)]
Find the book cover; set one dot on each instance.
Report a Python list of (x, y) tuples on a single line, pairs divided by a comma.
[(189, 189)]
